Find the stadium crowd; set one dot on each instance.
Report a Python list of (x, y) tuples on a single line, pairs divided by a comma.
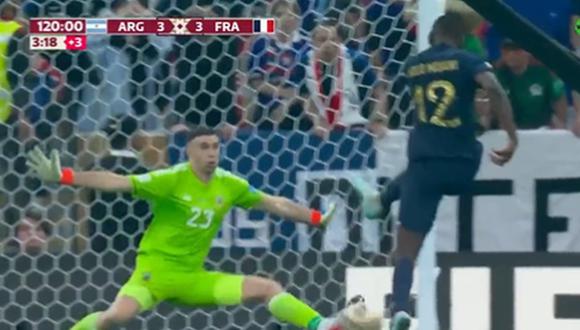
[(332, 65)]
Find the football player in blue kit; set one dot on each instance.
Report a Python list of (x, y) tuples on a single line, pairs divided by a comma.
[(443, 151)]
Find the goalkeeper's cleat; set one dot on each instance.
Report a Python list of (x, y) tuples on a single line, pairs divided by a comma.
[(371, 199), (401, 321)]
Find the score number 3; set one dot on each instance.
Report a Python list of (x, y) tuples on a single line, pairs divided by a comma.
[(166, 26), (441, 101), (200, 218)]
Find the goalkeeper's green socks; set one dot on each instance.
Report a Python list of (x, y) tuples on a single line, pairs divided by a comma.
[(287, 308), (89, 322)]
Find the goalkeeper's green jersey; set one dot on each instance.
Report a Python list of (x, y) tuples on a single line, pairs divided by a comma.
[(187, 213)]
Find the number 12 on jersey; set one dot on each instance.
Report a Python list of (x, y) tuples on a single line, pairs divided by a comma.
[(441, 93), (200, 218)]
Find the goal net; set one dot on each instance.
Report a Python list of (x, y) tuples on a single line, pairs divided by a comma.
[(121, 105)]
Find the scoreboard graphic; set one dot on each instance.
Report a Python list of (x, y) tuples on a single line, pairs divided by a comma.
[(72, 33)]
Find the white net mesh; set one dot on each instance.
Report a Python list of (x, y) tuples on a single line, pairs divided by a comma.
[(120, 106)]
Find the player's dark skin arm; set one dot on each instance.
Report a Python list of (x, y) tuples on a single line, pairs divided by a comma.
[(502, 109)]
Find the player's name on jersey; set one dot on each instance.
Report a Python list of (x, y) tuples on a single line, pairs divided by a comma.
[(158, 26), (433, 67)]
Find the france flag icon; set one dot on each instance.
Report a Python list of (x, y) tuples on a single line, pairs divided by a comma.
[(264, 25)]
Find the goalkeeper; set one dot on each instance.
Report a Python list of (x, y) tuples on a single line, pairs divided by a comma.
[(189, 201)]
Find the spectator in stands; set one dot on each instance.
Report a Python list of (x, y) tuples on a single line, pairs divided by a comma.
[(538, 98), (375, 106), (392, 35), (129, 64), (198, 77), (112, 98), (146, 54), (49, 87), (353, 18), (272, 100), (259, 9), (310, 12), (31, 234), (342, 85), (104, 226)]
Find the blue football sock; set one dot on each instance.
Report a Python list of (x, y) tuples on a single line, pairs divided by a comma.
[(402, 281)]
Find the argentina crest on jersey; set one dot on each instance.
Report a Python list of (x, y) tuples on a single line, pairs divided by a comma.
[(146, 276)]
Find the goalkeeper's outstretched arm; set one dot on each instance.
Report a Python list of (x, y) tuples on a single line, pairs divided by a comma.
[(103, 180), (288, 209), (49, 170)]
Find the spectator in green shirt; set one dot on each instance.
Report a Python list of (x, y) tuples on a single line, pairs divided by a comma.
[(537, 97)]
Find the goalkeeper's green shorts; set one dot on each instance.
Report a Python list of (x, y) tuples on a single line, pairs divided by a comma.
[(155, 280)]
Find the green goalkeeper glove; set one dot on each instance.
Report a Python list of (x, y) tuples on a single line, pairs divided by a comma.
[(46, 169)]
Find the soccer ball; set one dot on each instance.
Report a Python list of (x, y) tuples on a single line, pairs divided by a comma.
[(356, 316)]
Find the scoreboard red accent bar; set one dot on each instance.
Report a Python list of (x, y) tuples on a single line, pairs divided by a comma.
[(205, 26), (186, 26), (152, 26)]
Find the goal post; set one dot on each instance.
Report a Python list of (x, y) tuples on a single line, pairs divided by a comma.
[(428, 11)]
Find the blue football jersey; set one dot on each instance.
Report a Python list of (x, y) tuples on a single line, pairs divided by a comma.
[(442, 85)]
